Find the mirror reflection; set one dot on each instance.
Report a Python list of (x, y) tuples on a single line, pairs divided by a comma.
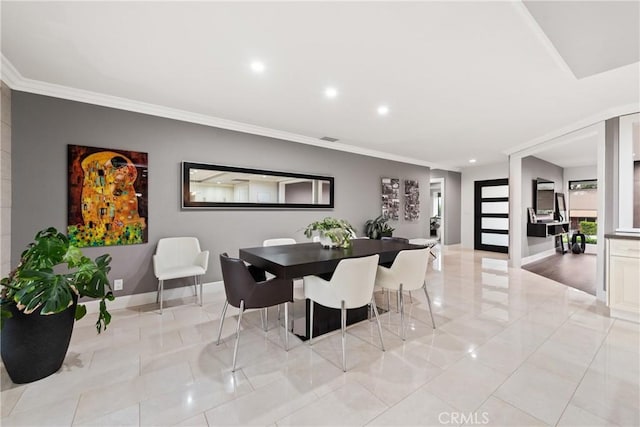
[(224, 186)]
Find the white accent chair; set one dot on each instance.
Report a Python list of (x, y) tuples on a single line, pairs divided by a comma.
[(279, 241), (178, 257), (298, 292), (407, 273), (351, 286)]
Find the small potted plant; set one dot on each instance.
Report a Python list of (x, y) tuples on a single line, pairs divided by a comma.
[(378, 228), (333, 232), (39, 302)]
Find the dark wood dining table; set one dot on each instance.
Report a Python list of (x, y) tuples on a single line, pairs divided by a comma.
[(303, 259)]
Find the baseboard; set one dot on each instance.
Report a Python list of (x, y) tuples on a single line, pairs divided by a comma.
[(625, 315), (127, 301), (538, 256)]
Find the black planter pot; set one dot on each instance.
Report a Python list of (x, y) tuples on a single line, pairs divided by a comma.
[(34, 346)]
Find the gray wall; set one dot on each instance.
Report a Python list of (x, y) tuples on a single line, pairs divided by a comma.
[(532, 168), (43, 126), (452, 204), (5, 180)]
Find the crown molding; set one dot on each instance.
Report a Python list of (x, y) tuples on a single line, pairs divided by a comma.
[(532, 145), (16, 81)]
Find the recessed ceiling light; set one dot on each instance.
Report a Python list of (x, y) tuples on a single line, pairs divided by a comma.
[(472, 160), (257, 66), (383, 110), (331, 92)]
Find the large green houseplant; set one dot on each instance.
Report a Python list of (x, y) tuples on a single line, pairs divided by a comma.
[(378, 228), (39, 299), (332, 231)]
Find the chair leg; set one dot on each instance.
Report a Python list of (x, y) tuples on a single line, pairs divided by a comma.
[(398, 300), (375, 311), (266, 319), (161, 285), (401, 307), (410, 298), (224, 312), (286, 326), (235, 349), (343, 326), (388, 300), (310, 322), (433, 323), (195, 287), (201, 291)]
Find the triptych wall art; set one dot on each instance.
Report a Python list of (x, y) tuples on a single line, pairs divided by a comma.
[(107, 196), (411, 200), (391, 199)]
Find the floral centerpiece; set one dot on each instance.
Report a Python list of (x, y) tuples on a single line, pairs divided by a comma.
[(333, 232)]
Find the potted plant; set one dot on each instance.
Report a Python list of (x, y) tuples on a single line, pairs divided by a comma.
[(333, 232), (38, 304), (434, 225), (378, 228)]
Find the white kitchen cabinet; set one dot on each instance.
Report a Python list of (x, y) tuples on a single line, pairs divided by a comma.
[(623, 277)]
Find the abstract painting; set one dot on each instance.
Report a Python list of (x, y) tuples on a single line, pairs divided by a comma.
[(411, 200), (107, 196), (390, 198)]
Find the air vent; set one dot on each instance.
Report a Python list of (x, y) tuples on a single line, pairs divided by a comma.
[(329, 139), (239, 180)]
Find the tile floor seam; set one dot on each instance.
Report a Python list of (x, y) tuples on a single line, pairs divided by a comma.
[(595, 354), (15, 404), (516, 370), (75, 411), (519, 409)]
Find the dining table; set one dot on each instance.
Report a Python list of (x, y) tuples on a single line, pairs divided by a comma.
[(303, 259)]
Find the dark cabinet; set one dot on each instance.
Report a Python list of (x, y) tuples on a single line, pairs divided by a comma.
[(546, 229)]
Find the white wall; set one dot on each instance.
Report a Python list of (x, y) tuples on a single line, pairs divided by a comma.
[(469, 176), (263, 192), (212, 192)]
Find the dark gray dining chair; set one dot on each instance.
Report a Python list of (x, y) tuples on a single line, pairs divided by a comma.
[(244, 292)]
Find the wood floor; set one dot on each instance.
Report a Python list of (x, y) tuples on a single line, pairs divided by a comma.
[(577, 271)]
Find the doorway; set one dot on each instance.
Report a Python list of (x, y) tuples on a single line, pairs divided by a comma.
[(491, 215), (437, 216)]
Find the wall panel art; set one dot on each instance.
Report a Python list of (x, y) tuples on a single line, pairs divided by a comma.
[(390, 198), (411, 200), (107, 196)]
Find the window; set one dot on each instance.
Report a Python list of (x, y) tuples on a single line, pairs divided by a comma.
[(583, 207)]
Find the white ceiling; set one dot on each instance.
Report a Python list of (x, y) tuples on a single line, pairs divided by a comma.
[(572, 152), (462, 79)]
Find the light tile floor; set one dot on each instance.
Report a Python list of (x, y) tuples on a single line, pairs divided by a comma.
[(510, 348)]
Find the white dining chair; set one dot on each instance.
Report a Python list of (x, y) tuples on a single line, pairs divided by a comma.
[(298, 292), (351, 286), (407, 273), (178, 257)]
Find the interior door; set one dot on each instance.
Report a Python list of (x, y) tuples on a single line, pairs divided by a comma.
[(491, 215)]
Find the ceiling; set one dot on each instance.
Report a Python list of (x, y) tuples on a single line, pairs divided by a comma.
[(461, 80)]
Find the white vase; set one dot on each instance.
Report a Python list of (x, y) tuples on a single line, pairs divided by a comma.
[(326, 242)]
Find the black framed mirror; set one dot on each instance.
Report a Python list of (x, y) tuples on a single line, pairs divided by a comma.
[(215, 186), (561, 208)]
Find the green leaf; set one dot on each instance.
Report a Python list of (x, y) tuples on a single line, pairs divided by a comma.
[(81, 310)]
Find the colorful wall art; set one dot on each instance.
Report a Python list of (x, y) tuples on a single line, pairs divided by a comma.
[(107, 196), (411, 200), (390, 198)]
